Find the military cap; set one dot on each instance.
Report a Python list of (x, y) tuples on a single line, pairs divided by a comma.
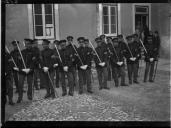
[(80, 38), (56, 42), (135, 35), (45, 41), (120, 36), (109, 37), (101, 36), (149, 37), (28, 41), (98, 40), (62, 41), (86, 40), (70, 37), (14, 42), (115, 39), (129, 37)]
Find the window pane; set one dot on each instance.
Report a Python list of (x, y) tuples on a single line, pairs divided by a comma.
[(113, 28), (48, 19), (141, 9), (105, 20), (37, 8), (106, 29), (38, 19), (113, 11), (39, 30), (113, 20), (48, 9), (105, 10)]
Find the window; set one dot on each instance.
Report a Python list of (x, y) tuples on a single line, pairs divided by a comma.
[(43, 16), (109, 19)]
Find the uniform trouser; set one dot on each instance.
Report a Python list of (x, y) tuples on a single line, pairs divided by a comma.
[(109, 70), (16, 78), (74, 73), (102, 77), (48, 81), (149, 67), (132, 71), (118, 71), (70, 82), (84, 74), (9, 87), (57, 77), (21, 85), (36, 76)]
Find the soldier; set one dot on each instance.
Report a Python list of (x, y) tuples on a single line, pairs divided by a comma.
[(71, 47), (56, 42), (15, 54), (26, 69), (117, 62), (132, 54), (101, 64), (89, 57), (8, 78), (47, 65), (36, 53), (66, 67), (109, 41), (150, 58)]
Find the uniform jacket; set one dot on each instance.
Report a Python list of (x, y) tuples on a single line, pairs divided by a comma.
[(16, 56), (72, 52), (36, 58), (151, 52), (8, 64)]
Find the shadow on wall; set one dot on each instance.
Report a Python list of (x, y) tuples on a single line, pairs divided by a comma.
[(165, 47)]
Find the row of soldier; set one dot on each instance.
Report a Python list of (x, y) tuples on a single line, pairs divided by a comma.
[(68, 60)]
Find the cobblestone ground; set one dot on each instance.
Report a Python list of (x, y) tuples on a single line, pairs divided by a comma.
[(137, 102)]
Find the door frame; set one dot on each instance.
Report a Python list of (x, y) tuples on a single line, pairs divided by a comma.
[(133, 14)]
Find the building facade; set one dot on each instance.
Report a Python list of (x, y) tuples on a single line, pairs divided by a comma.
[(57, 21)]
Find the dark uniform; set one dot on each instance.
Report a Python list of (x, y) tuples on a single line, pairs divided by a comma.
[(15, 54), (132, 51), (74, 56), (102, 68), (47, 63), (28, 57), (8, 78), (150, 58), (66, 68), (36, 53), (57, 76), (84, 66), (118, 69)]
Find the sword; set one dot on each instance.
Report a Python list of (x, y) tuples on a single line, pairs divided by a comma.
[(127, 46), (95, 51), (143, 46), (56, 95), (78, 55), (11, 56), (20, 54)]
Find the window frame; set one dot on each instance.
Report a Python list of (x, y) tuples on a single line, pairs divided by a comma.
[(43, 23)]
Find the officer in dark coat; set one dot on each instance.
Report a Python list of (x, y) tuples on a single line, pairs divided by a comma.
[(66, 67), (26, 72), (15, 54), (56, 43), (132, 54), (101, 64), (8, 78), (117, 63), (36, 59), (70, 47), (47, 65), (150, 58)]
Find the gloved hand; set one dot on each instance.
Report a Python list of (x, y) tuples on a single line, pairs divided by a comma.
[(16, 69), (132, 58), (45, 69), (84, 67), (65, 68), (151, 59), (55, 65), (26, 70), (102, 64), (119, 63)]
